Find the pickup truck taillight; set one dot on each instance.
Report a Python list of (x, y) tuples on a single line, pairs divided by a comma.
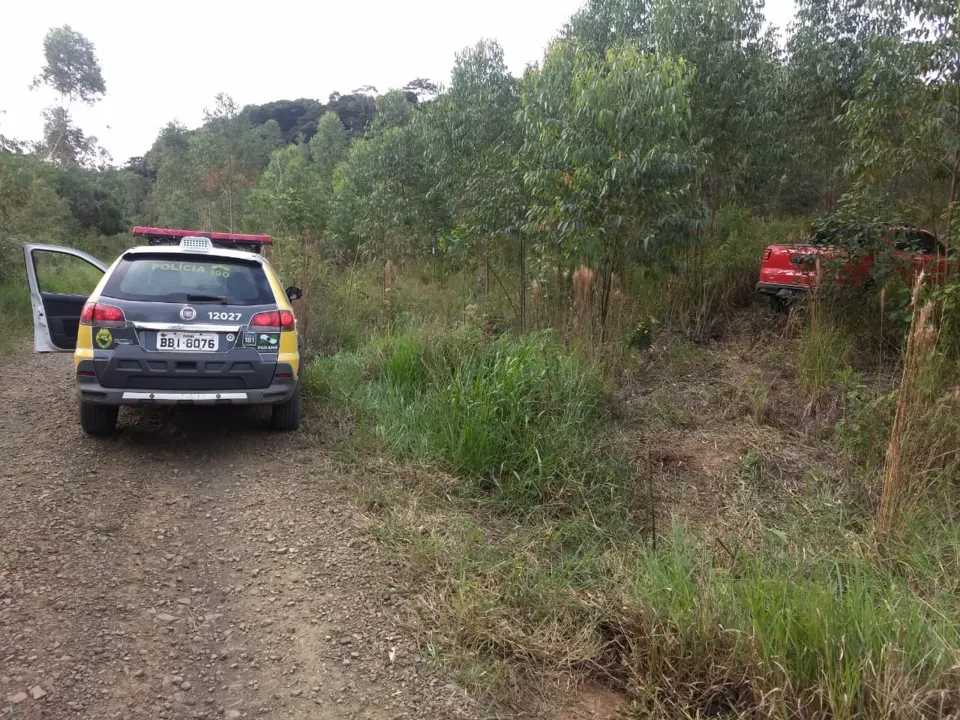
[(767, 253)]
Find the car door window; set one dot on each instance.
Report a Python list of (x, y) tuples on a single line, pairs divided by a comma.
[(64, 274), (915, 241), (60, 281)]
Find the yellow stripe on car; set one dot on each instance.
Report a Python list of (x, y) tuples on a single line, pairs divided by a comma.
[(288, 351), (84, 349)]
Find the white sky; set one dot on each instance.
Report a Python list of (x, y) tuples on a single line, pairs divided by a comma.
[(167, 60)]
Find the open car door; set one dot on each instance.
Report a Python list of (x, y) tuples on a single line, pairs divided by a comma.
[(60, 279)]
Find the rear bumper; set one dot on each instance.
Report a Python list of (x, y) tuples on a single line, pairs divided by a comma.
[(765, 288), (90, 390)]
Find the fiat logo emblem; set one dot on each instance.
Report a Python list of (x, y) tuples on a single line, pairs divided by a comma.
[(187, 313)]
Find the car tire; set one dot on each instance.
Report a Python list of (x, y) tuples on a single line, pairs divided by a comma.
[(286, 415), (98, 419)]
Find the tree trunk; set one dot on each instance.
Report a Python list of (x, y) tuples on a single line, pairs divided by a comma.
[(953, 182), (953, 199), (486, 265), (607, 285), (523, 285)]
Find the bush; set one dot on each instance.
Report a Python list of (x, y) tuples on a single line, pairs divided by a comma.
[(16, 319), (517, 419)]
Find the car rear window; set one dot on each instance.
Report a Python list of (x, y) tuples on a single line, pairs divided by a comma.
[(189, 278)]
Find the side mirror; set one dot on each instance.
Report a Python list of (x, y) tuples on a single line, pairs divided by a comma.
[(294, 293)]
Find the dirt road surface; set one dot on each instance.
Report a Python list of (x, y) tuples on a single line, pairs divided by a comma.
[(195, 565)]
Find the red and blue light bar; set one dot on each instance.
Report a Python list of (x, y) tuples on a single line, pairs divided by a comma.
[(156, 236)]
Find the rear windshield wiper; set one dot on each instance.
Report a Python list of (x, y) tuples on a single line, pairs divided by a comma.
[(206, 298)]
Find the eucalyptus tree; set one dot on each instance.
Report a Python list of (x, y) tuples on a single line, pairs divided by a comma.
[(733, 93), (381, 190), (828, 52), (472, 139), (175, 192), (937, 32), (228, 154), (609, 153), (72, 70)]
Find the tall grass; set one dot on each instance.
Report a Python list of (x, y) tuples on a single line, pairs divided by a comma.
[(697, 288), (518, 420), (560, 582), (785, 633), (16, 318), (823, 347)]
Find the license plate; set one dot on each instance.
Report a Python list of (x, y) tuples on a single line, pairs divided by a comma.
[(190, 342)]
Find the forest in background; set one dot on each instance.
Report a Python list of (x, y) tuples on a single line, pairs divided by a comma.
[(537, 355), (641, 124)]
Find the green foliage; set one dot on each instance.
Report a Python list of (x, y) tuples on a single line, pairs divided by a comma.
[(15, 315), (66, 144), (608, 149), (472, 139), (518, 420), (71, 68), (30, 209), (95, 206), (381, 193), (329, 146)]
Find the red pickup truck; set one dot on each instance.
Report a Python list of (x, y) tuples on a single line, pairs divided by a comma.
[(788, 271)]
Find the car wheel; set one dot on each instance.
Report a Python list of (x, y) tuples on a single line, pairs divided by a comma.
[(98, 419), (286, 416)]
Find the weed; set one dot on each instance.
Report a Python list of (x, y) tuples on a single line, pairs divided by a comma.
[(517, 419), (757, 391), (822, 351), (912, 444)]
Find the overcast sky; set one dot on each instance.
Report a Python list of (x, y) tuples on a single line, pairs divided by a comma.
[(167, 60)]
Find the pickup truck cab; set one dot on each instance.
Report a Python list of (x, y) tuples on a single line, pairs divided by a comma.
[(790, 270)]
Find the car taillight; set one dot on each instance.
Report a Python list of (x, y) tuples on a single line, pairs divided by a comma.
[(99, 313), (266, 319), (767, 253), (282, 319), (86, 315), (107, 313)]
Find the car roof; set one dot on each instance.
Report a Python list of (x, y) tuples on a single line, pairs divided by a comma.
[(174, 250)]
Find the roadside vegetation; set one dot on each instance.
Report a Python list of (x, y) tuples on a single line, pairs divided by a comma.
[(536, 347)]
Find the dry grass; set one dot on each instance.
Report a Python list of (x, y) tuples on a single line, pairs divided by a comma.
[(908, 425), (763, 560)]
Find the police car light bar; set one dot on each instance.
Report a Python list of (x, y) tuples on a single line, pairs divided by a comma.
[(169, 236), (196, 243)]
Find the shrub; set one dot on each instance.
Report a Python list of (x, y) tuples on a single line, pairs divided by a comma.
[(517, 419)]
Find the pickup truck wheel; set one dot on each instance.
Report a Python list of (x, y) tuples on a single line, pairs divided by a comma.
[(780, 304), (286, 416), (98, 419)]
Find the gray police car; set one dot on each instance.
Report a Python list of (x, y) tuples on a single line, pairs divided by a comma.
[(192, 318)]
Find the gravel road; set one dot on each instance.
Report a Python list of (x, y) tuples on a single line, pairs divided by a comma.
[(195, 565)]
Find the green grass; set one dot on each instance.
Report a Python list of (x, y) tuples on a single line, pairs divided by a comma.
[(822, 352), (535, 562), (16, 323), (785, 632), (517, 420)]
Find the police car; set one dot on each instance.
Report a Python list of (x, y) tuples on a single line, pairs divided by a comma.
[(191, 318)]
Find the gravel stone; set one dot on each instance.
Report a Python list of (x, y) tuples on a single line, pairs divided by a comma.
[(183, 509)]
